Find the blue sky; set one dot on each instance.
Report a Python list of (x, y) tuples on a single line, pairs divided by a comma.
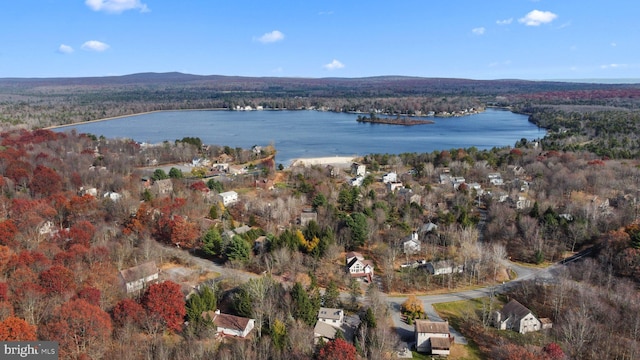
[(494, 39)]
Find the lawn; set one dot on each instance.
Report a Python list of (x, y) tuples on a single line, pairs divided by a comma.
[(455, 312)]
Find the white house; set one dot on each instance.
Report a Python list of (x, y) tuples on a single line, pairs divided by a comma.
[(515, 316), (358, 169), (331, 316), (357, 181), (135, 279), (389, 177), (411, 245), (114, 196), (228, 197), (433, 337), (495, 179), (359, 267), (230, 324), (394, 185)]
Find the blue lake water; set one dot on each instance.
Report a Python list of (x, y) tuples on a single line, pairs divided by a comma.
[(301, 134)]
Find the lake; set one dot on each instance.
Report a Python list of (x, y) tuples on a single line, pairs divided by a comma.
[(304, 134)]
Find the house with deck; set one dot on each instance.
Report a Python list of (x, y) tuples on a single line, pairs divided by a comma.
[(358, 267)]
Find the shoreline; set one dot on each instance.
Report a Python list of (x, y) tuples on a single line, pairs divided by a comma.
[(125, 116), (324, 160)]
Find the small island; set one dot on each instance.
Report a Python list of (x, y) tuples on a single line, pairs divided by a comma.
[(407, 121)]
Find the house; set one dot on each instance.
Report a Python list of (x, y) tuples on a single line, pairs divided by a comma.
[(135, 279), (228, 197), (162, 187), (331, 316), (330, 321), (515, 316), (358, 267), (357, 181), (520, 202), (408, 196), (433, 337), (393, 186), (389, 177), (443, 267), (495, 179), (307, 216), (456, 181), (47, 228), (230, 324), (428, 227), (324, 331), (358, 169), (89, 191), (411, 245), (113, 196)]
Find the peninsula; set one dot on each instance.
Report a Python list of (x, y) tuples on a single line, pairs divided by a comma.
[(393, 121)]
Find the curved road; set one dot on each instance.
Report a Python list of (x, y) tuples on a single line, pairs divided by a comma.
[(406, 332)]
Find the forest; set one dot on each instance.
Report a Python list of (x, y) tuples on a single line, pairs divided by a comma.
[(77, 209)]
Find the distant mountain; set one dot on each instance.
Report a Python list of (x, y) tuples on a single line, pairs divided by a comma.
[(367, 86)]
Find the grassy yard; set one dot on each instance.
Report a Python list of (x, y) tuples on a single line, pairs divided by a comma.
[(455, 312)]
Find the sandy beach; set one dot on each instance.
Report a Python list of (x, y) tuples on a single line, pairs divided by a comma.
[(328, 160)]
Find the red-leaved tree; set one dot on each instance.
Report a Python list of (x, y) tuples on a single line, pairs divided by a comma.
[(16, 329), (89, 294), (45, 181), (128, 311), (80, 328), (337, 349), (8, 231), (164, 302), (554, 351), (57, 280)]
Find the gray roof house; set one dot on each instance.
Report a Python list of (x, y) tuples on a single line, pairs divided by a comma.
[(515, 316), (135, 279), (433, 337)]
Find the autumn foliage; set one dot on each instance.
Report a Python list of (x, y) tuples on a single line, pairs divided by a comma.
[(80, 328), (16, 329), (164, 302), (337, 349)]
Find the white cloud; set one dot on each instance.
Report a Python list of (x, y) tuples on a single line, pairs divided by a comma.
[(537, 17), (271, 37), (325, 13), (116, 6), (505, 21), (478, 30), (613, 44), (94, 45), (334, 65), (500, 63), (613, 66), (65, 49)]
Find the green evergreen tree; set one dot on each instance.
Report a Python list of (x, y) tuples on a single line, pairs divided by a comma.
[(159, 174), (175, 173), (237, 249), (212, 243), (331, 298), (369, 319), (302, 306)]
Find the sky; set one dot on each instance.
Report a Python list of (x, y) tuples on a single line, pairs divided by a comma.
[(472, 39)]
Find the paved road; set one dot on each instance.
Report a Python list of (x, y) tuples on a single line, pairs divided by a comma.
[(406, 332)]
